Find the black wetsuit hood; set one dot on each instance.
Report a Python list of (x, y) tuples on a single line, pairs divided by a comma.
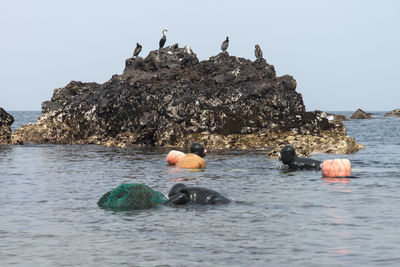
[(198, 149), (288, 156)]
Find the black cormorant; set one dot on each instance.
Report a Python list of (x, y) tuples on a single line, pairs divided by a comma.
[(163, 39), (258, 53), (137, 49), (225, 44)]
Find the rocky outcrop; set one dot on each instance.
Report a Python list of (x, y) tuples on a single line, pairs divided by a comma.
[(170, 98), (336, 117), (361, 114), (5, 127), (393, 113)]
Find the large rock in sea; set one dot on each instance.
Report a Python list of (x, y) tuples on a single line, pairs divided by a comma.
[(393, 113), (170, 98), (360, 115), (5, 127)]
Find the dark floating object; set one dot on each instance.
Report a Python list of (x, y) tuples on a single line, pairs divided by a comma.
[(180, 194), (289, 157), (258, 52), (225, 44), (137, 50), (163, 39)]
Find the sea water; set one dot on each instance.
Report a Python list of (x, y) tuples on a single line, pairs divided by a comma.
[(49, 214)]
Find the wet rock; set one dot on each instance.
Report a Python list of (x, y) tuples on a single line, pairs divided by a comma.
[(328, 142), (170, 98), (361, 114), (336, 117), (393, 113), (5, 127)]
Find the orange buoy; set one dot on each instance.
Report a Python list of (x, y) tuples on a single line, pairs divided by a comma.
[(334, 168), (191, 161), (174, 156)]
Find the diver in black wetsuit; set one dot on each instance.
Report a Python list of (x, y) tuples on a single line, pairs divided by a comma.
[(288, 156), (181, 194)]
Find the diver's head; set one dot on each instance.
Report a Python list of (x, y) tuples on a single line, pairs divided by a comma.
[(198, 149), (287, 154), (175, 189)]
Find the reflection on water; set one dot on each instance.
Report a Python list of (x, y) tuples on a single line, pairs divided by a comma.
[(338, 214), (49, 216), (336, 180), (181, 175)]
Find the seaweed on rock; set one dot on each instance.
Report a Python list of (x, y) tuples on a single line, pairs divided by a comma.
[(170, 98)]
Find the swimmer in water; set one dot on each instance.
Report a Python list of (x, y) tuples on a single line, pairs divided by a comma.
[(288, 156), (194, 159), (181, 194)]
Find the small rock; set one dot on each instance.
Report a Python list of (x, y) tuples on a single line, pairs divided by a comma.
[(393, 113), (336, 117), (360, 114)]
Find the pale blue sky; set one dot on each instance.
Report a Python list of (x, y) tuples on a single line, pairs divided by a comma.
[(344, 54)]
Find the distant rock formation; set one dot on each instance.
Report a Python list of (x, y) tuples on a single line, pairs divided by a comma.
[(5, 127), (393, 113), (361, 114), (170, 98)]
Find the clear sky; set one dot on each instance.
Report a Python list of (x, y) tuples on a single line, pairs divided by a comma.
[(343, 54)]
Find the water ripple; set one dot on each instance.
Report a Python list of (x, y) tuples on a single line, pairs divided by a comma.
[(49, 215)]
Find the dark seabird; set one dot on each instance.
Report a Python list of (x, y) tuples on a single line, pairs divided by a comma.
[(258, 53), (137, 49), (163, 39), (225, 44)]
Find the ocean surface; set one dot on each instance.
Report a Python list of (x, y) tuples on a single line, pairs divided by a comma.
[(49, 214)]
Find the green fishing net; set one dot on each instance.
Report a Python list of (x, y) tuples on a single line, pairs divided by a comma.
[(131, 196)]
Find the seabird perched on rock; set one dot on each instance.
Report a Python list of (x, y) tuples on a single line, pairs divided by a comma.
[(163, 39), (137, 49), (257, 52), (225, 44)]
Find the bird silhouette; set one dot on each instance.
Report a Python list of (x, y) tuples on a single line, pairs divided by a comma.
[(163, 39), (258, 52), (137, 50), (225, 44)]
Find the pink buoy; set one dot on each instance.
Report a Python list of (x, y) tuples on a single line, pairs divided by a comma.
[(336, 168), (174, 156)]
